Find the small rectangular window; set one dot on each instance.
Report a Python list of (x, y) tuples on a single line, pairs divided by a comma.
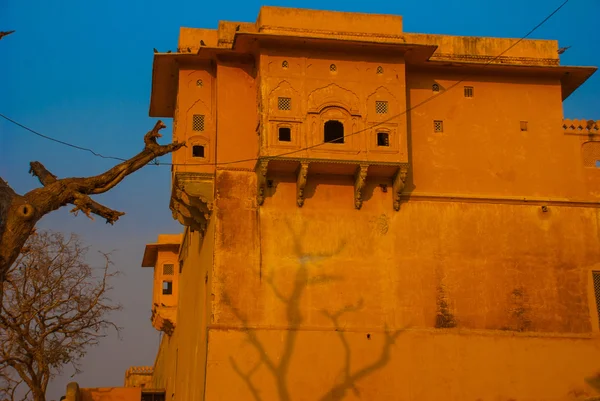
[(285, 134), (167, 288), (383, 139), (523, 125), (198, 122), (381, 107), (284, 103), (468, 91), (168, 269), (198, 151), (438, 126)]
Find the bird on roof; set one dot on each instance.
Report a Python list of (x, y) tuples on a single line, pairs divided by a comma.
[(202, 43), (237, 28), (168, 51), (189, 49), (155, 51), (563, 49), (3, 34)]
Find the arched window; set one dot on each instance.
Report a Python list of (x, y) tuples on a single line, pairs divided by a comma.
[(333, 132)]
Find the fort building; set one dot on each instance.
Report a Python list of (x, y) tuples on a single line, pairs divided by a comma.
[(374, 214)]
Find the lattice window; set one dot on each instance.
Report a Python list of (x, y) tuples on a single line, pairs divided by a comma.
[(332, 68), (438, 126), (523, 126), (383, 139), (198, 122), (381, 107), (435, 88), (468, 91), (284, 103), (596, 278), (284, 64), (379, 70), (199, 83), (168, 269), (590, 153)]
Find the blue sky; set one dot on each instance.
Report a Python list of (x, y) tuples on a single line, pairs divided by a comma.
[(80, 71)]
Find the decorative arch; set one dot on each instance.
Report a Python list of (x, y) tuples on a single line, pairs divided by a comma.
[(382, 94), (284, 90), (333, 95)]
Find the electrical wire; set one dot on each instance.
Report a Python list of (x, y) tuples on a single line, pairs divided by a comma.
[(413, 107)]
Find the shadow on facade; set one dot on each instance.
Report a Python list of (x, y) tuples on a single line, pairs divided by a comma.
[(306, 275)]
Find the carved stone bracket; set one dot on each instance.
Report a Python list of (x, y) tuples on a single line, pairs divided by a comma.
[(192, 199), (398, 186), (261, 179), (359, 183), (301, 183)]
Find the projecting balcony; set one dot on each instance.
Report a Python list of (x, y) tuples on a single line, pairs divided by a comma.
[(304, 168)]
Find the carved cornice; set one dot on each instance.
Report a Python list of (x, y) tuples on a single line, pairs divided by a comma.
[(398, 185), (360, 179), (329, 34), (494, 59), (331, 161), (301, 183)]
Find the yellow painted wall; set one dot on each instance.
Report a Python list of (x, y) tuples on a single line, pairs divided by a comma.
[(477, 289), (499, 268)]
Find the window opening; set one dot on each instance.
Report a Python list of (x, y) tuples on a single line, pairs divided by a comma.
[(285, 134), (381, 107), (379, 70), (284, 64), (167, 288), (333, 132), (198, 122), (438, 126), (468, 91), (198, 151), (332, 68), (284, 103), (199, 83), (523, 125), (168, 269), (383, 139), (435, 87)]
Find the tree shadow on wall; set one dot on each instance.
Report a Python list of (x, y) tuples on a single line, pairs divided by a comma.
[(307, 274)]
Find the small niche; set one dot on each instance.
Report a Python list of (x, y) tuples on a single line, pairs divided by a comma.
[(285, 134), (383, 139), (523, 125), (198, 151)]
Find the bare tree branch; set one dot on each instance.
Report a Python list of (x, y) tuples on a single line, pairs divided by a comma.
[(5, 33), (54, 309), (20, 213)]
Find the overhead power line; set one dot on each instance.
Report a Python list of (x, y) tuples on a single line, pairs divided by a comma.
[(413, 107)]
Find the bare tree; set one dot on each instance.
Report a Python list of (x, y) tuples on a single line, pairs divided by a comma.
[(55, 307), (20, 213)]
